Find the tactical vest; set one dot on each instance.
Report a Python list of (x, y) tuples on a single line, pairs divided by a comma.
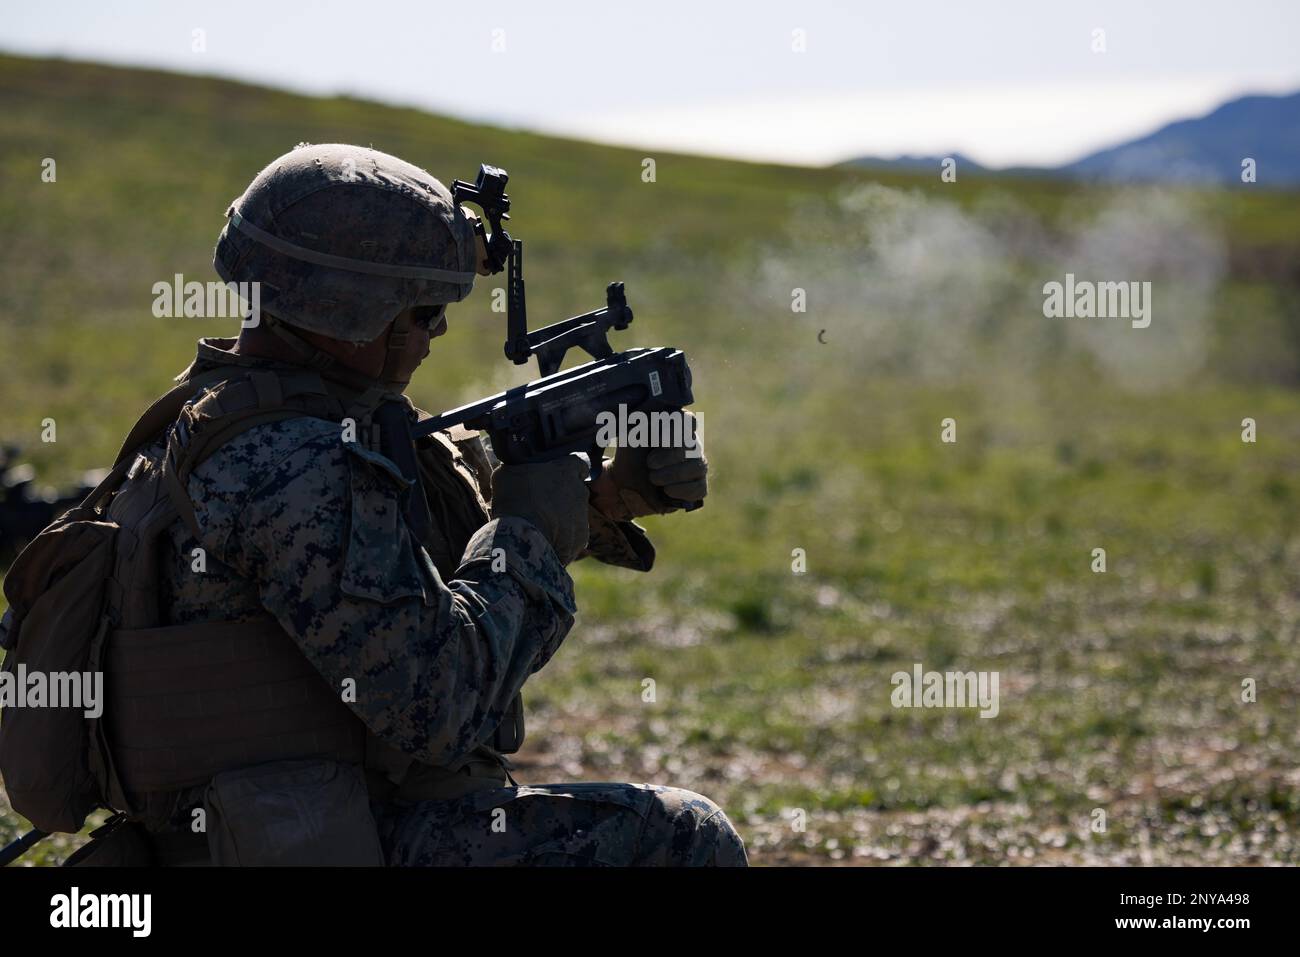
[(186, 702)]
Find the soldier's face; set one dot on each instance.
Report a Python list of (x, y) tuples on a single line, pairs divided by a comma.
[(426, 324), (369, 358)]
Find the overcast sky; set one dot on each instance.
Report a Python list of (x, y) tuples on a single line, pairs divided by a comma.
[(1014, 82)]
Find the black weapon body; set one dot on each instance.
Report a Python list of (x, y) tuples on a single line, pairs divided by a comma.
[(563, 412)]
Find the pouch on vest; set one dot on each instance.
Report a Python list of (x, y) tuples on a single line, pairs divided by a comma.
[(55, 627), (52, 759), (312, 813)]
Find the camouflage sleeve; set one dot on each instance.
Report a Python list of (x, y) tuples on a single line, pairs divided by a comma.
[(624, 544), (435, 664)]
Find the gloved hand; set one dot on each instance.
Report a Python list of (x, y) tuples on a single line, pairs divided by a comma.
[(552, 495), (644, 481)]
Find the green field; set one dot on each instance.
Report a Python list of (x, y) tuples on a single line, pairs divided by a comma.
[(1120, 691)]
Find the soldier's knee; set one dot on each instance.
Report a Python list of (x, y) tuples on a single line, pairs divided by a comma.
[(686, 829)]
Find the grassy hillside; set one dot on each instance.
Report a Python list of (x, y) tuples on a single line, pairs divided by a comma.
[(1120, 691)]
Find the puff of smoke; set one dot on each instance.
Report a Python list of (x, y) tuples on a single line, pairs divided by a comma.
[(907, 283), (1156, 236)]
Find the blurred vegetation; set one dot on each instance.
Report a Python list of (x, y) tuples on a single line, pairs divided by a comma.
[(1119, 691)]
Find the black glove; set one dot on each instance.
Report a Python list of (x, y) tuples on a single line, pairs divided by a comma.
[(645, 481), (552, 495)]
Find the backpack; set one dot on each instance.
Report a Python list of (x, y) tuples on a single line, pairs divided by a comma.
[(74, 584), (83, 597)]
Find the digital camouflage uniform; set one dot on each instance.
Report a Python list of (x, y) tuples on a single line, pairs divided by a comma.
[(297, 522), (375, 557)]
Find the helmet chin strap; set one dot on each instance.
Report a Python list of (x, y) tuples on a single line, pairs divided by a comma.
[(371, 390), (381, 400), (399, 333)]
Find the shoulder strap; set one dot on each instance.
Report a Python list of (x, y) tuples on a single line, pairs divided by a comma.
[(245, 402), (161, 413), (164, 410), (178, 465)]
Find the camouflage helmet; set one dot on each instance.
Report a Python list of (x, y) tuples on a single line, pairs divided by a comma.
[(343, 238)]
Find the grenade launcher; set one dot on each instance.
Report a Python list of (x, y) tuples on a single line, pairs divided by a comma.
[(561, 412)]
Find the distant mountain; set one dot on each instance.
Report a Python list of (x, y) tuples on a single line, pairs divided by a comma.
[(1208, 149), (912, 164)]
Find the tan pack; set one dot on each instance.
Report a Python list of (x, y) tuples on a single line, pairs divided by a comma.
[(85, 589), (83, 597)]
